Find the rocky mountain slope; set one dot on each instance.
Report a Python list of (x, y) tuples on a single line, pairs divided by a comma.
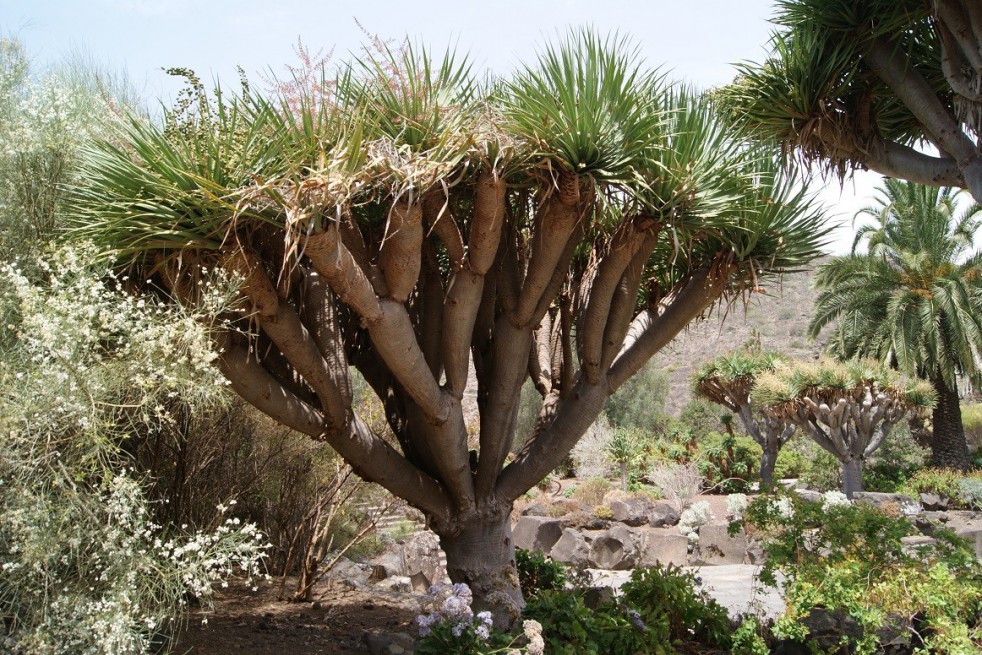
[(778, 317)]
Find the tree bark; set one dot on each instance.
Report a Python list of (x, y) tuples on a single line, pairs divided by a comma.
[(481, 553), (852, 476), (767, 462), (949, 449)]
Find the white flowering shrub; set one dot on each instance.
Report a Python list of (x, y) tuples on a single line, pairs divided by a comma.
[(45, 119), (696, 516), (83, 365), (591, 453), (784, 507), (735, 506), (678, 483), (832, 499)]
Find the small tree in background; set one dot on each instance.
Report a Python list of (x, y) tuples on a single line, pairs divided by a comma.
[(729, 381), (624, 449), (847, 408)]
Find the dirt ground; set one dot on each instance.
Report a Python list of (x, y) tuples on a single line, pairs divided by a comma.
[(246, 622)]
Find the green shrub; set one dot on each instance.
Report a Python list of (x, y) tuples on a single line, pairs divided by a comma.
[(592, 491), (972, 422), (537, 573), (640, 403), (895, 461), (824, 472), (850, 559), (701, 417), (791, 463), (748, 639), (571, 628), (970, 492), (943, 482), (668, 596), (728, 463)]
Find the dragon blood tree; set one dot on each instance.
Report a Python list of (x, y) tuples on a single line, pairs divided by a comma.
[(848, 408), (729, 381), (562, 224)]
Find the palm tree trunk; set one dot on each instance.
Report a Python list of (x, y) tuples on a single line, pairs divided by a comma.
[(948, 446)]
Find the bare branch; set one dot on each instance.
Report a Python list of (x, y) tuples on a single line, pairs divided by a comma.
[(439, 219), (885, 59), (649, 334)]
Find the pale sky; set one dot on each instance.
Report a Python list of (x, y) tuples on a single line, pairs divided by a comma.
[(697, 40)]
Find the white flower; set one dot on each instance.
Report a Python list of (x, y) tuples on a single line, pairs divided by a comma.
[(834, 499), (735, 506)]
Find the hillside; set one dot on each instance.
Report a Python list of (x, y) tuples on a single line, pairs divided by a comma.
[(780, 316)]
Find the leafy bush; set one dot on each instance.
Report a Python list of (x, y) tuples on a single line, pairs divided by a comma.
[(536, 573), (640, 403), (972, 422), (748, 639), (943, 482), (592, 491), (895, 461), (791, 463), (728, 463), (849, 558), (970, 492), (824, 472), (571, 628), (668, 596), (85, 367)]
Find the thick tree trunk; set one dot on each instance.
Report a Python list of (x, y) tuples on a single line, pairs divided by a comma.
[(624, 475), (948, 446), (767, 462), (481, 554), (852, 476)]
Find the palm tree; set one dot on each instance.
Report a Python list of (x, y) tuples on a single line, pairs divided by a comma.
[(913, 300)]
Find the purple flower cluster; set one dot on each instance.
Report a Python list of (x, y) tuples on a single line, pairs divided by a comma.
[(452, 605)]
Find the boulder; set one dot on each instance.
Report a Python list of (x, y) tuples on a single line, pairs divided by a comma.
[(387, 565), (662, 547), (398, 584), (422, 556), (663, 514), (594, 597), (396, 643), (716, 546), (905, 504), (349, 573), (631, 511), (572, 548), (912, 543), (582, 520), (616, 549), (827, 628), (536, 509), (809, 495), (537, 533), (934, 502)]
